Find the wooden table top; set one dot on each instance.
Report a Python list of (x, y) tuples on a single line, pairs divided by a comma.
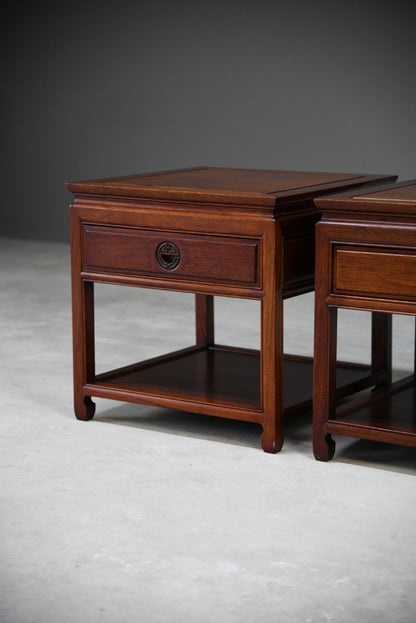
[(211, 185), (393, 199)]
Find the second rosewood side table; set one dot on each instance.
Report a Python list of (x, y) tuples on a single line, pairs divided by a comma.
[(365, 260), (210, 231)]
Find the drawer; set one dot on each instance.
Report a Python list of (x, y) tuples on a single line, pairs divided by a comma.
[(195, 257), (377, 272)]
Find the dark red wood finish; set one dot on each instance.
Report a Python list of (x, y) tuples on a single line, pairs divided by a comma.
[(231, 232), (365, 259)]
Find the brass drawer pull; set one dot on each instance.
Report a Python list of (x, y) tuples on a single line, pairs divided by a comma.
[(168, 255)]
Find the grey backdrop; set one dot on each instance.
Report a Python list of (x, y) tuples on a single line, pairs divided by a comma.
[(102, 90)]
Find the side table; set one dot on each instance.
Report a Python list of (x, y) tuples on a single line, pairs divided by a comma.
[(365, 260), (209, 231)]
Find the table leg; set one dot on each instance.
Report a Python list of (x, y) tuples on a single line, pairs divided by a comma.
[(83, 345), (271, 354), (204, 318), (271, 371), (324, 378), (381, 347)]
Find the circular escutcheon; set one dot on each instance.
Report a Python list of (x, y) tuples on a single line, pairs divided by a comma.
[(168, 255)]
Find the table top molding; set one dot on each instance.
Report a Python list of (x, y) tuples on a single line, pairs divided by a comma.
[(208, 186), (396, 200)]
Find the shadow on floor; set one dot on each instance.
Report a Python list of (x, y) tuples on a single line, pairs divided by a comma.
[(235, 432), (184, 424), (297, 432), (376, 454)]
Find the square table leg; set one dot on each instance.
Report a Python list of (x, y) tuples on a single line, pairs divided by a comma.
[(83, 346), (204, 319)]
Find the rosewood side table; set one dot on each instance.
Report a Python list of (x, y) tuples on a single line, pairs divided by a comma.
[(365, 260), (209, 231)]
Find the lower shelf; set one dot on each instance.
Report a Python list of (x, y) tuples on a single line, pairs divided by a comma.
[(217, 377), (383, 415)]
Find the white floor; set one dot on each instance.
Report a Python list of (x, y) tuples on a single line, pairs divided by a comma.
[(145, 514)]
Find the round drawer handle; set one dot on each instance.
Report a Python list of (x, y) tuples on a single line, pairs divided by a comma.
[(168, 255)]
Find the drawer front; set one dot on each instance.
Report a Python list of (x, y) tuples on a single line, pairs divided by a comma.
[(378, 272), (125, 251)]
